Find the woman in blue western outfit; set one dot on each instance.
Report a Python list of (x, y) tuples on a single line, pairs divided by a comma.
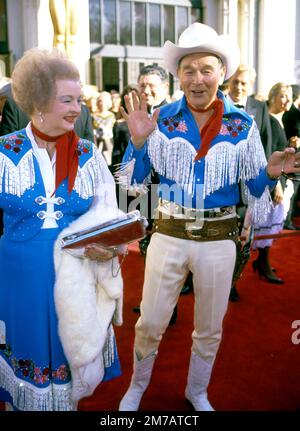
[(48, 178)]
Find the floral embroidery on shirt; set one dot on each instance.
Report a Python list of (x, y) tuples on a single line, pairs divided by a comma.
[(61, 373), (233, 126), (83, 146), (175, 123), (13, 142), (224, 130), (28, 369)]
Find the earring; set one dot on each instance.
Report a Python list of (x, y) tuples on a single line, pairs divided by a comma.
[(42, 118)]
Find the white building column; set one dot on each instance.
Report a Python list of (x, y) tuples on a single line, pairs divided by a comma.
[(246, 30), (276, 43), (30, 23), (228, 17)]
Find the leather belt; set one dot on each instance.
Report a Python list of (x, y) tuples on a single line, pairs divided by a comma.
[(203, 230), (174, 209)]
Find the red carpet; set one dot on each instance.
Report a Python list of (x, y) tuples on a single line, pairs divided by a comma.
[(257, 367)]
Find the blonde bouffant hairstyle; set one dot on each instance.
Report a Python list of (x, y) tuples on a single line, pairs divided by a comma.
[(34, 78), (275, 90)]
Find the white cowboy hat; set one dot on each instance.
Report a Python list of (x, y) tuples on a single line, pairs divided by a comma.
[(202, 38)]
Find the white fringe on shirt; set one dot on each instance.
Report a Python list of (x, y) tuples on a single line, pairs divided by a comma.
[(173, 158), (89, 176), (16, 179), (225, 164)]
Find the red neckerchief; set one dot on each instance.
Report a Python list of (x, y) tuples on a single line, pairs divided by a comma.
[(66, 156), (212, 126)]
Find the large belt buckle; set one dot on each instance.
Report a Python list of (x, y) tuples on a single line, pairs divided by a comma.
[(190, 213), (226, 211), (194, 231)]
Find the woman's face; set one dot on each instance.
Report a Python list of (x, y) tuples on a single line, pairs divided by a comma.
[(103, 103), (63, 111), (283, 100)]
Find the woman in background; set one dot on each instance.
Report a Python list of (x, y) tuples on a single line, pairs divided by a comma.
[(103, 122), (279, 101), (121, 133)]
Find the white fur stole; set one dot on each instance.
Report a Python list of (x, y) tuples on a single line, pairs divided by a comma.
[(87, 298)]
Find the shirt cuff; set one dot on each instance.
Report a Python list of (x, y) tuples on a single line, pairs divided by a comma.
[(270, 181)]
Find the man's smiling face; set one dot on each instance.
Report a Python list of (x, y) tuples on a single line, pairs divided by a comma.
[(200, 76)]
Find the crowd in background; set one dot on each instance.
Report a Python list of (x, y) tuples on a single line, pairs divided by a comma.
[(99, 117), (110, 132)]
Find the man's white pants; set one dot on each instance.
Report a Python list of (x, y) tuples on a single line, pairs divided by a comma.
[(168, 262)]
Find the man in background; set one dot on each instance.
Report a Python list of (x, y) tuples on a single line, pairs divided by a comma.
[(153, 83), (240, 93)]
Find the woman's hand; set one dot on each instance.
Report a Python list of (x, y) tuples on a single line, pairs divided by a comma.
[(103, 254), (140, 124), (287, 161)]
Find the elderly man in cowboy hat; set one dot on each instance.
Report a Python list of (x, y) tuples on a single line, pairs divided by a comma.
[(201, 146)]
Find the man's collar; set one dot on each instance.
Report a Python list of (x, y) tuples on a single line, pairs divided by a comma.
[(153, 107), (162, 103), (180, 105), (240, 104)]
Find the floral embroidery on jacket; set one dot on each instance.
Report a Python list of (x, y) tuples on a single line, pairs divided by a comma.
[(27, 368), (83, 146), (233, 126), (13, 142), (175, 123)]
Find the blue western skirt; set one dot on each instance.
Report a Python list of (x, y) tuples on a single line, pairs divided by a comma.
[(34, 373)]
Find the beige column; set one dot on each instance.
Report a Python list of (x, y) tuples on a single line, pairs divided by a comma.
[(228, 17), (246, 28), (121, 73), (29, 15)]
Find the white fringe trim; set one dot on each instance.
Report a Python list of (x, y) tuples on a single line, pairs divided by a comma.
[(89, 176), (173, 158), (28, 397), (226, 164), (259, 208), (123, 176), (17, 178), (108, 348)]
